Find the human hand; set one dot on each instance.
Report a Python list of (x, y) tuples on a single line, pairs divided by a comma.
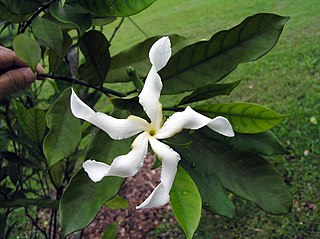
[(14, 72)]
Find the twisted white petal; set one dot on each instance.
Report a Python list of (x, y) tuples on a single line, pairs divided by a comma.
[(187, 119), (115, 128), (149, 98), (95, 170), (222, 126), (129, 164), (170, 159), (160, 53), (123, 165)]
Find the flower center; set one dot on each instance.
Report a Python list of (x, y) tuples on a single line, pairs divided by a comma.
[(152, 132)]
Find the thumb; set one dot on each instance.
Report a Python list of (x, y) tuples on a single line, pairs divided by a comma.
[(15, 80)]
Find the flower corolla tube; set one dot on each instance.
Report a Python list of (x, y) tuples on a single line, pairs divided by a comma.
[(148, 132)]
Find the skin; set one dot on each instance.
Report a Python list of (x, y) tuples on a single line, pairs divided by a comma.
[(14, 73)]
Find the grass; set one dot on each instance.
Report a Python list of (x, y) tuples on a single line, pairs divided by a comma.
[(286, 79)]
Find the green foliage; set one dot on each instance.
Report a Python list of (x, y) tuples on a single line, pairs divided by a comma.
[(215, 163), (82, 200), (65, 130), (110, 232), (209, 91), (210, 61), (117, 202), (137, 57), (30, 54), (95, 48), (248, 176), (245, 117), (32, 122), (117, 8), (48, 33), (183, 192), (72, 17)]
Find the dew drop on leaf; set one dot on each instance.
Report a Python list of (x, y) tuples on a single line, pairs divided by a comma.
[(193, 165), (184, 193)]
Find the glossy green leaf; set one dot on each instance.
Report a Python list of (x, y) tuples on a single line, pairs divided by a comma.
[(244, 117), (48, 33), (21, 7), (5, 14), (116, 8), (95, 48), (210, 61), (212, 193), (209, 91), (83, 198), (185, 200), (138, 58), (25, 202), (65, 130), (265, 143), (110, 232), (27, 49), (131, 104), (248, 176), (117, 202), (32, 122), (56, 60), (72, 15)]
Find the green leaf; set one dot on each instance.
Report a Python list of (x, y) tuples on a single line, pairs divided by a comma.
[(248, 176), (110, 232), (212, 193), (5, 14), (116, 8), (83, 198), (95, 48), (117, 202), (32, 122), (210, 61), (209, 91), (265, 143), (185, 200), (48, 33), (71, 15), (244, 117), (25, 202), (21, 7), (65, 130), (138, 58), (131, 104), (55, 60), (27, 49)]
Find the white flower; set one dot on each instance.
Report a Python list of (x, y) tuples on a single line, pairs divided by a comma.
[(129, 164)]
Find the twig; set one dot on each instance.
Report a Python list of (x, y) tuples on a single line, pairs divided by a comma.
[(35, 14), (139, 28), (79, 82), (116, 29)]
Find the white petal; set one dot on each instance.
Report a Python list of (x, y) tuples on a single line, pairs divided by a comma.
[(160, 53), (116, 128), (157, 198), (170, 158), (129, 164), (222, 126), (187, 119), (149, 98), (95, 170)]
